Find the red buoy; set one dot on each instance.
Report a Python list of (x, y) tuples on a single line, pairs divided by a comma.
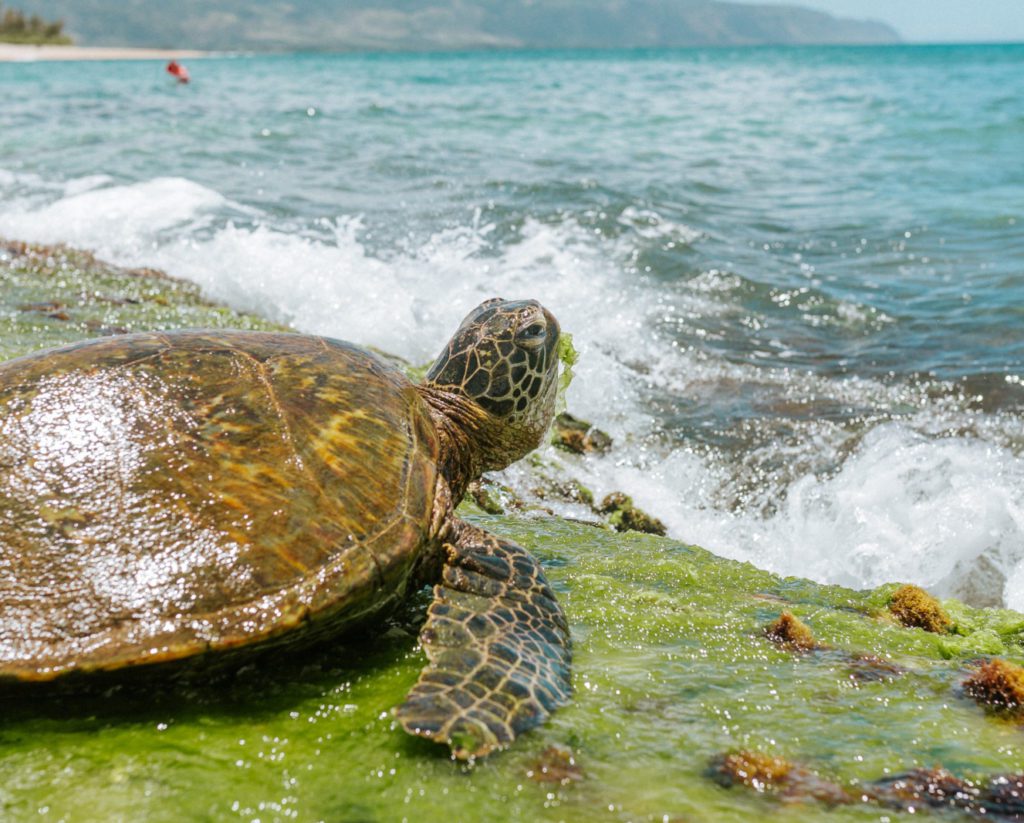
[(175, 68)]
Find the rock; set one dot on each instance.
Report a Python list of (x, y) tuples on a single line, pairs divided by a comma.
[(484, 496), (999, 685), (868, 668), (556, 764), (999, 797), (624, 516), (923, 787), (568, 491), (767, 774), (755, 769), (913, 607), (787, 632), (578, 436)]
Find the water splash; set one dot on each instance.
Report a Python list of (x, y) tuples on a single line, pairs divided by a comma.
[(854, 481)]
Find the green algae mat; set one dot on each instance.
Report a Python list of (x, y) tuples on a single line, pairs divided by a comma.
[(673, 671)]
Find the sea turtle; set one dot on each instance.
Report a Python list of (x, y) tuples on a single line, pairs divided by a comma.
[(167, 497)]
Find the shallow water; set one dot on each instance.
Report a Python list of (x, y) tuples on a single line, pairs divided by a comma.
[(795, 275)]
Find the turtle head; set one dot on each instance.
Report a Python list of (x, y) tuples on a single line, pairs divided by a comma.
[(503, 360)]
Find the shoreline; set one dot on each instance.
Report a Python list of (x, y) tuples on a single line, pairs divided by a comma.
[(21, 53)]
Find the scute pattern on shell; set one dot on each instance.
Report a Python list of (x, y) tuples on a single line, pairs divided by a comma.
[(165, 494)]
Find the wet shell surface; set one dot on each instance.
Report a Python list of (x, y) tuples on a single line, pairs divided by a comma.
[(165, 495)]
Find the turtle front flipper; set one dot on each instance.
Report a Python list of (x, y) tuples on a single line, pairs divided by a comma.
[(498, 646)]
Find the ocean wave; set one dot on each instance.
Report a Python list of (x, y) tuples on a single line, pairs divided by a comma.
[(854, 481)]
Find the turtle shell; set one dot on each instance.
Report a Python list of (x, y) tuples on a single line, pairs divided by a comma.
[(164, 495)]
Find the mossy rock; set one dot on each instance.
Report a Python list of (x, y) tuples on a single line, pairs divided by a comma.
[(789, 632), (53, 295), (999, 685), (912, 606), (624, 516), (578, 436)]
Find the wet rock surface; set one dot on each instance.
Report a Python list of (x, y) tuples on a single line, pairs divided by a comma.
[(912, 606), (578, 436), (998, 685), (624, 516), (788, 632)]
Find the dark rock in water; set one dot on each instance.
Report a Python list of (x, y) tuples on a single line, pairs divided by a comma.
[(788, 632), (556, 764), (578, 436), (924, 787), (485, 497), (999, 685), (1004, 797), (774, 775), (871, 668), (1000, 797), (915, 608), (625, 517)]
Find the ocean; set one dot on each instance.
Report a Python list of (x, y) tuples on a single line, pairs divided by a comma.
[(795, 276)]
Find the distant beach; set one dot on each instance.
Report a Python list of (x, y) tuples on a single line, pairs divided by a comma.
[(17, 53)]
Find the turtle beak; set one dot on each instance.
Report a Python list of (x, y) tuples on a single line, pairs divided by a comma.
[(552, 325)]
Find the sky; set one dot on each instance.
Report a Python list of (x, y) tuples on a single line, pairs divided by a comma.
[(932, 20)]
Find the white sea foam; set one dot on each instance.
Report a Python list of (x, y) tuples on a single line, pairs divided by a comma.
[(945, 512), (119, 222), (406, 302)]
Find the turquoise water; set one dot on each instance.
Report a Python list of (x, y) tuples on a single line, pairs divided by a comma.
[(796, 276)]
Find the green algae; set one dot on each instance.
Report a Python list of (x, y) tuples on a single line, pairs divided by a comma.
[(50, 296), (671, 670), (569, 356)]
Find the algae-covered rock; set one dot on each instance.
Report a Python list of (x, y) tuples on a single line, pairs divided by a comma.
[(566, 490), (760, 771), (624, 516), (578, 436), (788, 632), (872, 668), (485, 496), (999, 685), (914, 607), (556, 764), (53, 295), (769, 774), (982, 631)]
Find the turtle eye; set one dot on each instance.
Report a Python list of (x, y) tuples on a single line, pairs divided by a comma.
[(532, 334)]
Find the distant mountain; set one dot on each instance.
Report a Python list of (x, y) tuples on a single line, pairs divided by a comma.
[(425, 25)]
